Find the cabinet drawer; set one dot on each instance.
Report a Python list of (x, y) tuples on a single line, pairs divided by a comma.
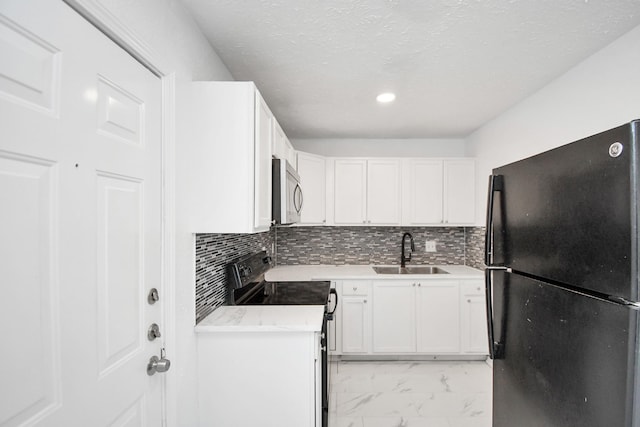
[(473, 288), (355, 288)]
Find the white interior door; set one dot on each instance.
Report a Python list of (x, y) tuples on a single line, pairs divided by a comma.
[(80, 223)]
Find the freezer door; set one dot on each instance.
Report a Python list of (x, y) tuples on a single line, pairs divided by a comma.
[(567, 360), (570, 214)]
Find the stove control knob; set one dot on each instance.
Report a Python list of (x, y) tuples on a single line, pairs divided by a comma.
[(245, 271)]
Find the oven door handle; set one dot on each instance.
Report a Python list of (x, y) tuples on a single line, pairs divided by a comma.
[(332, 291)]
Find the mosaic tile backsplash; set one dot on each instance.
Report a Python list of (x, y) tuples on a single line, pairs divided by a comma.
[(213, 253), (327, 245), (366, 245), (474, 244)]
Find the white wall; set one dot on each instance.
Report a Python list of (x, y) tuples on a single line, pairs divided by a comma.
[(382, 147), (600, 93), (178, 44)]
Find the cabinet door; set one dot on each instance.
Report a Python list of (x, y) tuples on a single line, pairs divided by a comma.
[(474, 319), (422, 186), (394, 318), (350, 191), (279, 143), (355, 324), (438, 326), (383, 192), (459, 191), (262, 165), (312, 179)]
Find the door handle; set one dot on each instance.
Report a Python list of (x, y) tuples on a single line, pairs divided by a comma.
[(158, 364), (495, 348), (495, 184), (298, 190), (332, 291)]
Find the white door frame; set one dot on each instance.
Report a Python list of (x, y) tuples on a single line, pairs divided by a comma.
[(128, 40)]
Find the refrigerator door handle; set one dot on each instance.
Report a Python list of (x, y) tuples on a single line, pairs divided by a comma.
[(495, 184), (495, 349)]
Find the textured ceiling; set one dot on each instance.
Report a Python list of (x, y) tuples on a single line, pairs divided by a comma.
[(454, 65)]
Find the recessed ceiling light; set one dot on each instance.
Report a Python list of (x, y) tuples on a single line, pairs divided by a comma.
[(386, 97)]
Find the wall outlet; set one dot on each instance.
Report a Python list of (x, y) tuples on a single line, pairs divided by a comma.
[(430, 246)]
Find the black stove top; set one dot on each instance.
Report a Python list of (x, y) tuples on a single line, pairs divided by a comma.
[(248, 287), (291, 293)]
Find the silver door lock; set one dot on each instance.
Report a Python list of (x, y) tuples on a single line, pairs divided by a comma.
[(153, 332), (158, 364), (153, 296)]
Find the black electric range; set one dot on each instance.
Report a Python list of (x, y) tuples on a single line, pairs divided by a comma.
[(247, 286)]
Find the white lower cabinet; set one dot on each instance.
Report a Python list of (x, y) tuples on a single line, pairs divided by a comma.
[(473, 318), (438, 325), (404, 317), (275, 374), (394, 317), (355, 319)]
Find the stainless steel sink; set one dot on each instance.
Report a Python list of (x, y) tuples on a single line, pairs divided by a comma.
[(410, 270)]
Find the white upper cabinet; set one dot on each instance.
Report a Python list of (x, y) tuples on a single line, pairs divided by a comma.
[(459, 191), (227, 140), (422, 192), (312, 171), (366, 192), (350, 191), (282, 148), (383, 192), (264, 122), (438, 192)]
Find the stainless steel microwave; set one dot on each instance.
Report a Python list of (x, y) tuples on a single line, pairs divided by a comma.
[(287, 200)]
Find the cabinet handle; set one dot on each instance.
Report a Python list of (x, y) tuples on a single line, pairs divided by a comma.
[(365, 301), (414, 284), (419, 284), (468, 300), (355, 288)]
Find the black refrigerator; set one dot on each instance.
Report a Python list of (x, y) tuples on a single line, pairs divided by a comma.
[(562, 285)]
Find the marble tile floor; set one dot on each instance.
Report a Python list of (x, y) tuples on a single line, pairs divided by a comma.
[(410, 394)]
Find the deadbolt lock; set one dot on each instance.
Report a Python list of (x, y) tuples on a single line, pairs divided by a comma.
[(153, 296), (153, 332)]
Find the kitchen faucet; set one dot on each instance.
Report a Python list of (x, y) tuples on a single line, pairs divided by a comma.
[(404, 259)]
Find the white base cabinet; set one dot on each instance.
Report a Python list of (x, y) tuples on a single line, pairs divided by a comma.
[(438, 325), (394, 317), (404, 317), (259, 378), (473, 311), (354, 320)]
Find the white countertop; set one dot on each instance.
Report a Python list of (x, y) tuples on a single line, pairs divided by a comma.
[(336, 272), (263, 318), (279, 318)]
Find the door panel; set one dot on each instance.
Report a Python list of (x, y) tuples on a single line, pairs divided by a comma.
[(565, 359), (29, 288), (31, 78), (119, 264), (80, 178)]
